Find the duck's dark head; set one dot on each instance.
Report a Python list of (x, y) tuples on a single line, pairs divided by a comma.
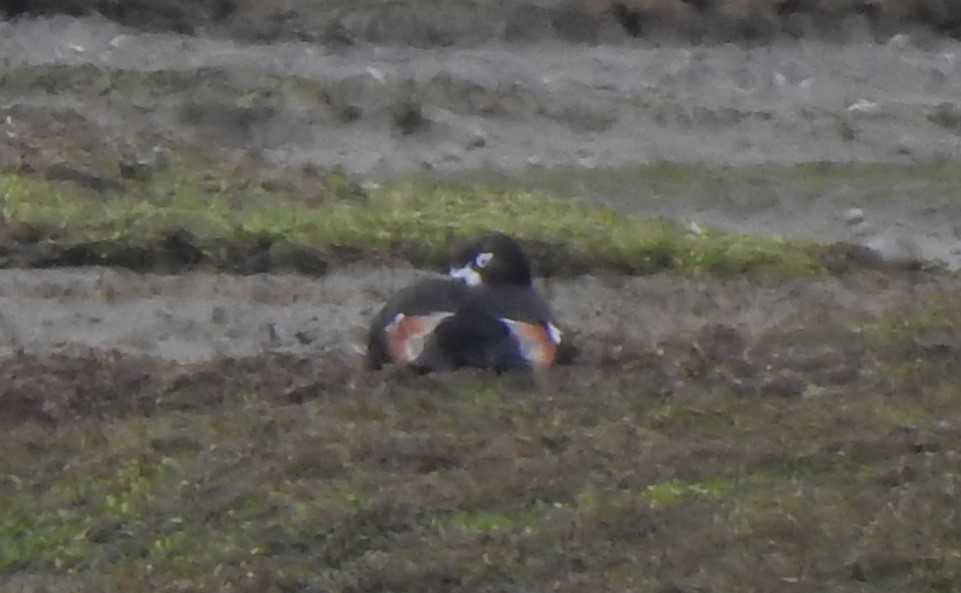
[(491, 259)]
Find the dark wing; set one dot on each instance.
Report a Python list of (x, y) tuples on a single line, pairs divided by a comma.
[(475, 338), (530, 319), (400, 329), (520, 303), (440, 324)]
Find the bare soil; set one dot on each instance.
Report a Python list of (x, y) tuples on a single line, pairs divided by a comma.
[(197, 316)]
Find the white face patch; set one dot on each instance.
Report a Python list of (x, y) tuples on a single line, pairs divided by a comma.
[(482, 259), (467, 275)]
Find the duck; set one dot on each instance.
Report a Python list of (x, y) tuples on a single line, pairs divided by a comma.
[(485, 313)]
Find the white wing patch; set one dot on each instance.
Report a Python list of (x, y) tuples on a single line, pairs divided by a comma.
[(554, 332)]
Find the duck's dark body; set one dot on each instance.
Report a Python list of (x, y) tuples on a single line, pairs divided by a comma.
[(441, 324)]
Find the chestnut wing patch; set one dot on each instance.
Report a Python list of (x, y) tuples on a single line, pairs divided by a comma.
[(408, 334), (537, 342)]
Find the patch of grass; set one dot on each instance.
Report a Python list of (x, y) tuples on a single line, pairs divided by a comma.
[(916, 345), (931, 321), (486, 522), (418, 221), (475, 483), (744, 188), (590, 501), (659, 495)]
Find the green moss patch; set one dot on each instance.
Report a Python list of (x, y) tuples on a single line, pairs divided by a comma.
[(177, 219), (744, 189)]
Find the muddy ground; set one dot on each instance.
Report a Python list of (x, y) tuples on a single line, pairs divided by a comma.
[(79, 96), (195, 317)]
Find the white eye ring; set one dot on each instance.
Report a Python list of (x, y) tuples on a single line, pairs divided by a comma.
[(482, 259)]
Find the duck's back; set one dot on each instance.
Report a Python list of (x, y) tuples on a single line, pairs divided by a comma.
[(442, 324), (530, 321)]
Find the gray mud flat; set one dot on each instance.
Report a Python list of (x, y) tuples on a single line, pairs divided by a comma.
[(196, 317), (511, 107)]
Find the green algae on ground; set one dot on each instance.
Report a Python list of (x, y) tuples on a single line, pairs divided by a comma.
[(743, 188), (418, 221)]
